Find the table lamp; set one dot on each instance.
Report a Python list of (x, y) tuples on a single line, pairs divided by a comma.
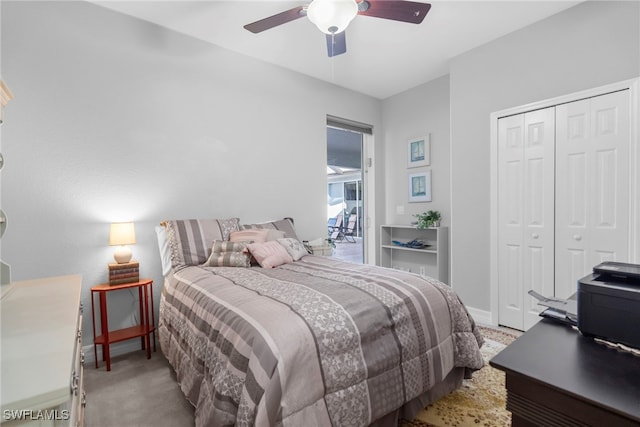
[(122, 233)]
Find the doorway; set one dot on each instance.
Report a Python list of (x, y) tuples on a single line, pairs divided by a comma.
[(346, 217)]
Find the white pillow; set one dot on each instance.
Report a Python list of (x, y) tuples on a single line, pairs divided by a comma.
[(295, 249), (165, 251)]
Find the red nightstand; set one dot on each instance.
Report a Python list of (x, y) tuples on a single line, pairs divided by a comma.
[(144, 330)]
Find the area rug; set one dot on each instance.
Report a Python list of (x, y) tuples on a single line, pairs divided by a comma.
[(480, 401)]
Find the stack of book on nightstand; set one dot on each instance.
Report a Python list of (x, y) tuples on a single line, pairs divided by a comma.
[(128, 272)]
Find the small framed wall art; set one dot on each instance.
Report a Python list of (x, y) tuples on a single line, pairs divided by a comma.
[(420, 187), (419, 151)]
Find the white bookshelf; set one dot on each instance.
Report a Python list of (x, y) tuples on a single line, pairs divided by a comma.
[(432, 260)]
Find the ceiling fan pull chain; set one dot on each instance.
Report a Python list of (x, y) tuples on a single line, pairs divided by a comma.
[(336, 43)]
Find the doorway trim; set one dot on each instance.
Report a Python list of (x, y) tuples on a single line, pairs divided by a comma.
[(369, 186), (634, 164)]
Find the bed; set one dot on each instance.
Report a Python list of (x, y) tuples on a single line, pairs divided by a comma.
[(309, 341)]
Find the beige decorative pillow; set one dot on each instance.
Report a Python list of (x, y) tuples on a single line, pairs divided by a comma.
[(275, 235), (249, 235), (285, 225)]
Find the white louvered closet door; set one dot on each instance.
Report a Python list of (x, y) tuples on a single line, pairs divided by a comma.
[(592, 186), (526, 214)]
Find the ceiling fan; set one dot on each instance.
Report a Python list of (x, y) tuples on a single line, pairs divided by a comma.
[(333, 16)]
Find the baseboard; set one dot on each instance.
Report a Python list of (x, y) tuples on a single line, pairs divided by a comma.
[(481, 316)]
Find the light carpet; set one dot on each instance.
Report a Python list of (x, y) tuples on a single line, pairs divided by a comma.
[(481, 400), (141, 392)]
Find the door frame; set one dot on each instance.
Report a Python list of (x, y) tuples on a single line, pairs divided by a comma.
[(634, 164), (369, 205)]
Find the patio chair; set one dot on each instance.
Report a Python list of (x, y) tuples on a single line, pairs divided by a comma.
[(335, 230), (331, 223), (349, 232)]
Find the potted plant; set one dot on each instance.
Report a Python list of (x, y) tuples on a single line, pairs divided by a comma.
[(435, 218), (330, 242), (428, 219)]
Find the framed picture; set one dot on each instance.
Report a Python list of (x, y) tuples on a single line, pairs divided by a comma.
[(420, 187), (419, 151)]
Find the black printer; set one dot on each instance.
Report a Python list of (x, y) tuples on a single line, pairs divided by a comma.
[(609, 303)]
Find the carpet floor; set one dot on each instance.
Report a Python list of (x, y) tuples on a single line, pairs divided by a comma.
[(481, 400), (138, 392)]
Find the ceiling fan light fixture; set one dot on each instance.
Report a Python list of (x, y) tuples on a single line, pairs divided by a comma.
[(332, 16)]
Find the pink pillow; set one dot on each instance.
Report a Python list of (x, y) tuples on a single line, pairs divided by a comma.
[(269, 254), (249, 235)]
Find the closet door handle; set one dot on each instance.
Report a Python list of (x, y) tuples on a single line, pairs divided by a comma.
[(577, 237)]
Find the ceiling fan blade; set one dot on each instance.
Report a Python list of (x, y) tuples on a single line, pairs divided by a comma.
[(336, 44), (275, 20), (396, 10)]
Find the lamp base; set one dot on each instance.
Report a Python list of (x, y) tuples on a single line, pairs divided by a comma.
[(122, 255)]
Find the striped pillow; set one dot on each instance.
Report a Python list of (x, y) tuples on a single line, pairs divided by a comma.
[(191, 240), (228, 259), (220, 246), (285, 225), (229, 254)]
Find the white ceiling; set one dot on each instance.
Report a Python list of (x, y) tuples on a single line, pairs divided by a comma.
[(383, 57)]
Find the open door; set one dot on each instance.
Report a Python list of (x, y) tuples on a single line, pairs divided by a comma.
[(347, 189)]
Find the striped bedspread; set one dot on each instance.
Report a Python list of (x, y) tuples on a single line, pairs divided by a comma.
[(314, 342)]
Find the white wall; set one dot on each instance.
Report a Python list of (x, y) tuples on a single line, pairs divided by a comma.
[(417, 112), (414, 113), (589, 45), (115, 119), (118, 119)]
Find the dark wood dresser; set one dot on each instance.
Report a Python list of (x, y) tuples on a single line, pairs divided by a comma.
[(557, 377)]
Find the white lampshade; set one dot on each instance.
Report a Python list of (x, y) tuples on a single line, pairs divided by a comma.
[(122, 233), (332, 16)]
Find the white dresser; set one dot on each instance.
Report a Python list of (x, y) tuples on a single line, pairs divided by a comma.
[(41, 353)]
